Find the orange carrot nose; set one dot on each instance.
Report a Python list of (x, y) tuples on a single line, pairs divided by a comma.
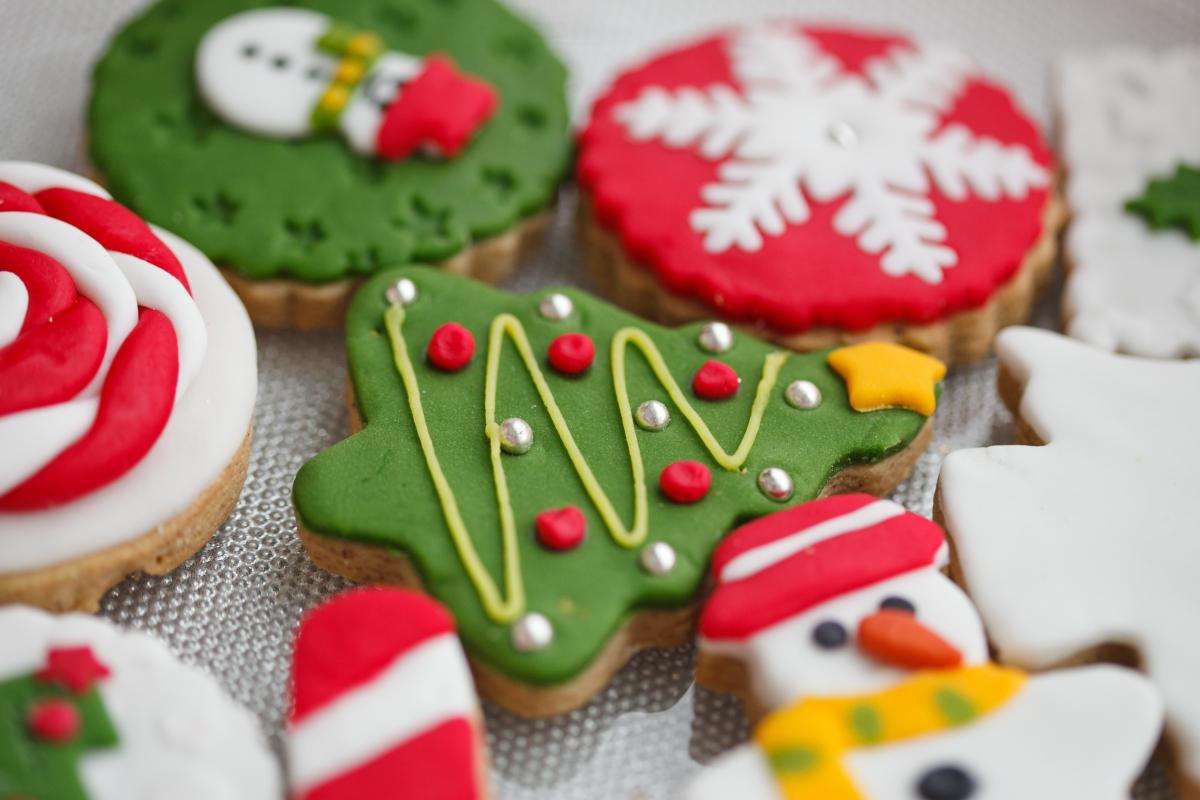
[(896, 638)]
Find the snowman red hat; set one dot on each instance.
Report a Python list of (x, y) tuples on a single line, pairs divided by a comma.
[(786, 563), (382, 702), (440, 109)]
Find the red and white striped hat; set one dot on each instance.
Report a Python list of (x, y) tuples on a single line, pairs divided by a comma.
[(788, 562), (382, 702)]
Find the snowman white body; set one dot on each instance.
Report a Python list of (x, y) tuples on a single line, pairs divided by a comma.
[(261, 71), (785, 663), (1079, 733)]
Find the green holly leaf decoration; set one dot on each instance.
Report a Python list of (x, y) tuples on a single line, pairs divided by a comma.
[(426, 489), (1171, 202), (32, 767)]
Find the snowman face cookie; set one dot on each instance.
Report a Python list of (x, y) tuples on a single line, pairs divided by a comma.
[(841, 595), (980, 733), (291, 73)]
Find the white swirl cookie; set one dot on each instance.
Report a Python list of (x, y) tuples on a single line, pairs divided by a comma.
[(1128, 118), (127, 381), (96, 713), (1085, 548), (967, 734), (842, 595)]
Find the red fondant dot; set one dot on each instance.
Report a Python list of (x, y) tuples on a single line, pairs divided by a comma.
[(54, 720), (685, 481), (715, 381), (572, 353), (560, 528), (451, 347)]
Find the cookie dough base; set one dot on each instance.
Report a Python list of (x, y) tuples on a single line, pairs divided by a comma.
[(365, 563), (79, 584), (288, 303), (962, 337), (1011, 391)]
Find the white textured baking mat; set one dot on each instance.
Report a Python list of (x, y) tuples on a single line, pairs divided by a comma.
[(232, 608)]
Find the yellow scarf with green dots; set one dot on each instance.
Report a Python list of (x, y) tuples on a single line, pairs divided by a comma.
[(804, 743)]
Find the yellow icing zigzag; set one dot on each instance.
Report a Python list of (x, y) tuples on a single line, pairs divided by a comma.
[(501, 609)]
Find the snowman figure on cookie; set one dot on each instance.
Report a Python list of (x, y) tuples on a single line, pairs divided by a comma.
[(838, 596), (291, 73)]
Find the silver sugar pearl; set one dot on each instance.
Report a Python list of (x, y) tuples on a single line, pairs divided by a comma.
[(556, 306), (403, 292), (803, 394), (516, 436), (775, 483), (842, 134), (653, 415), (715, 337), (532, 632), (658, 558)]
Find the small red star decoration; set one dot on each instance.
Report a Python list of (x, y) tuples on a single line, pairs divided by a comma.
[(76, 668)]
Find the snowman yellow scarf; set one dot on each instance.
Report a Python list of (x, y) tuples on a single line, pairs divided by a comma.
[(804, 743)]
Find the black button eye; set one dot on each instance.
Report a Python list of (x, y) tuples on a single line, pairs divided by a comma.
[(249, 51), (946, 782), (898, 604), (829, 635), (315, 73), (280, 62)]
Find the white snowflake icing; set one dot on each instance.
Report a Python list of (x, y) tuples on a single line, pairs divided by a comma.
[(803, 125)]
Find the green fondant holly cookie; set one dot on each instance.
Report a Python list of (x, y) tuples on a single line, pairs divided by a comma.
[(308, 144), (557, 472)]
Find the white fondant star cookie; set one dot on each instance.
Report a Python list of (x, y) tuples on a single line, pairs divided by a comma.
[(1090, 539)]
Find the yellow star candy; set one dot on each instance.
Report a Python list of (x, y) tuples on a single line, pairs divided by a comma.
[(885, 375)]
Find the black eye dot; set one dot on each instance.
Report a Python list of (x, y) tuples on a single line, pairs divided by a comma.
[(280, 62), (315, 73), (946, 782), (898, 604), (249, 51), (829, 635)]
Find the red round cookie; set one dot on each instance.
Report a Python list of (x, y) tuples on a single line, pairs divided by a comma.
[(800, 177)]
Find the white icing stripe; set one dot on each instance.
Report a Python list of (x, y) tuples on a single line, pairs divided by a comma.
[(427, 685), (32, 178), (95, 274), (159, 290), (758, 559), (31, 439), (14, 303)]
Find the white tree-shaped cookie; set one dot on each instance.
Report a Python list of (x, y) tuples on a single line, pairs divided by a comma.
[(1092, 538), (799, 125)]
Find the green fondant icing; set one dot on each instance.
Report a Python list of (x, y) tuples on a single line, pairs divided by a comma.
[(1171, 201), (240, 198), (30, 768), (793, 760), (866, 724), (375, 487), (955, 707)]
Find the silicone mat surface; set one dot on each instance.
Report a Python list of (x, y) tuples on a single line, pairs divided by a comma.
[(232, 608)]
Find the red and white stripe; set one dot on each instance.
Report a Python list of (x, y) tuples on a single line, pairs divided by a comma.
[(383, 702), (785, 563), (99, 336)]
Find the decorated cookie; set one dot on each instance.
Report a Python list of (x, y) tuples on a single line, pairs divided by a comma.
[(1130, 133), (95, 713), (304, 149), (557, 471), (382, 703), (127, 382), (1085, 547), (824, 185), (838, 596), (967, 734)]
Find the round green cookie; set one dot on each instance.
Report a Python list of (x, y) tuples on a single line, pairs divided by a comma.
[(312, 208)]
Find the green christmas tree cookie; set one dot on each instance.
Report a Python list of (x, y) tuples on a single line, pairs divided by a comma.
[(1172, 201), (48, 719), (557, 472)]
